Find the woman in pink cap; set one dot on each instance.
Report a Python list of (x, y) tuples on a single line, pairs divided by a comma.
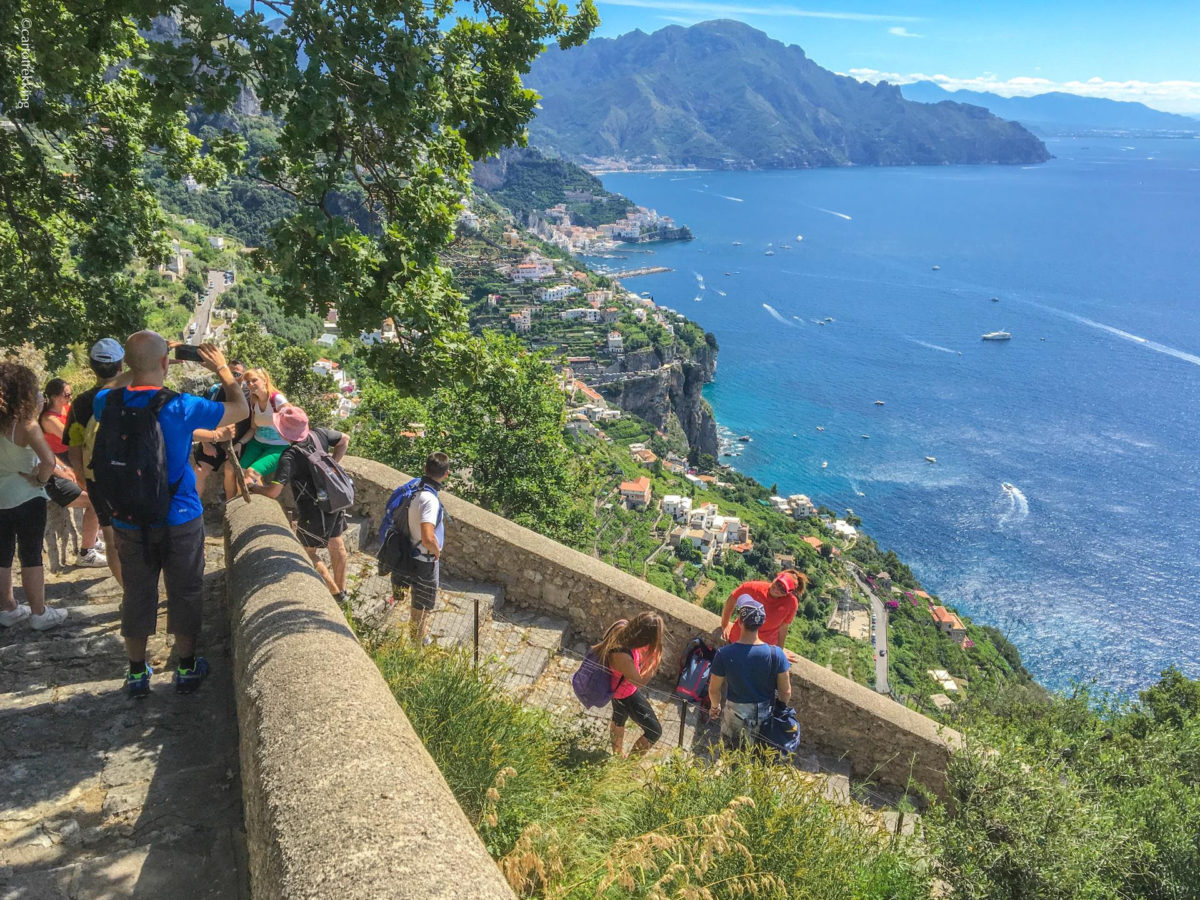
[(780, 599)]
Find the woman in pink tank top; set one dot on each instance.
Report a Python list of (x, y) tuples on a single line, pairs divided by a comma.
[(632, 651)]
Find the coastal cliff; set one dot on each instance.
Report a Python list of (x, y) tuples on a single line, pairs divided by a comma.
[(655, 390)]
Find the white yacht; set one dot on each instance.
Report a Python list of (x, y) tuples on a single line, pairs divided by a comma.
[(931, 459), (997, 336)]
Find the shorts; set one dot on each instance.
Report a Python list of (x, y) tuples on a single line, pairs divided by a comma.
[(177, 553), (22, 529), (424, 584), (316, 528), (740, 722), (262, 458), (214, 461), (103, 513), (638, 708), (62, 491)]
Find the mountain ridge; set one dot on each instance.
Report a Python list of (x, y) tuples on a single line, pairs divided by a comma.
[(722, 94), (1057, 110)]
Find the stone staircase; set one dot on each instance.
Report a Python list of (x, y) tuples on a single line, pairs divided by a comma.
[(533, 656), (103, 796)]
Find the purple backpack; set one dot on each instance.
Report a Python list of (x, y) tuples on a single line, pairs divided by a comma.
[(592, 681)]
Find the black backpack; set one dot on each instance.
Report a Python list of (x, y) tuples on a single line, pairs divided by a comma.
[(334, 488), (129, 460)]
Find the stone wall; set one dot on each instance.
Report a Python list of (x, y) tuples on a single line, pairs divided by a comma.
[(341, 798), (883, 740)]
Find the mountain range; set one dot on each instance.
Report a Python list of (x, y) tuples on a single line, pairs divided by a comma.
[(721, 94), (1058, 112)]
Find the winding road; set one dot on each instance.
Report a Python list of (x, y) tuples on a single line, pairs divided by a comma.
[(881, 623)]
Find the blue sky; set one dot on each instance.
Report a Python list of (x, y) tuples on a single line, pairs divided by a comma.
[(1148, 51)]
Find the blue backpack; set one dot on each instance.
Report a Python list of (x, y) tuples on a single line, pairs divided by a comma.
[(781, 730), (397, 549), (592, 681), (695, 668)]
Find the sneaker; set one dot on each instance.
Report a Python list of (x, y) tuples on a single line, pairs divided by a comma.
[(187, 680), (91, 559), (51, 618), (11, 617), (99, 545), (340, 598), (138, 685)]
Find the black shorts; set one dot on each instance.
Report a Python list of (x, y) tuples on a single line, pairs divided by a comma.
[(22, 529), (62, 491), (316, 529), (215, 461), (424, 584), (175, 552), (638, 708), (103, 513)]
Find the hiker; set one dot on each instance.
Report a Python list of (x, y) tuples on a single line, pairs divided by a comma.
[(316, 528), (26, 464), (780, 598), (106, 359), (210, 455), (259, 447), (157, 516), (426, 527), (752, 673), (64, 488), (632, 651)]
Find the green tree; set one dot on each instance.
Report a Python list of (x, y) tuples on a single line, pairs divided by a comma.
[(314, 393), (388, 102), (250, 343)]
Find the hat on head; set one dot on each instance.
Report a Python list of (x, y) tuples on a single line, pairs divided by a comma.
[(107, 350), (787, 581), (292, 423), (750, 612)]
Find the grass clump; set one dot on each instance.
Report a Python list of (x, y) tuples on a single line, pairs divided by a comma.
[(565, 821)]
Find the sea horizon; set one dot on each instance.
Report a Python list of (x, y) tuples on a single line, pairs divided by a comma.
[(830, 290)]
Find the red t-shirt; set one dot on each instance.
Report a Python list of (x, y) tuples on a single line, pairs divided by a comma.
[(625, 688), (57, 445), (780, 611)]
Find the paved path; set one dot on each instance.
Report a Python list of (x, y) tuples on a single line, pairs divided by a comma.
[(103, 796), (881, 625)]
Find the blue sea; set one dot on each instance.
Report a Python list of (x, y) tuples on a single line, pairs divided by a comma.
[(1090, 562)]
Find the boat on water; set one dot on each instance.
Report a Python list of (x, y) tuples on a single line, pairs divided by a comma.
[(997, 336), (865, 436), (820, 428), (828, 319), (745, 438), (737, 243), (879, 403), (824, 465), (995, 299), (937, 268), (769, 253), (799, 237), (931, 459), (1008, 487)]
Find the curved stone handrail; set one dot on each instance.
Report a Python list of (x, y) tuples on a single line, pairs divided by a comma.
[(882, 740), (341, 798)]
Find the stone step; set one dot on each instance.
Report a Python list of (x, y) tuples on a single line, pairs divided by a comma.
[(357, 536)]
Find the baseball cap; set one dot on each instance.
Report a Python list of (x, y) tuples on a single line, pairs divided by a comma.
[(107, 350), (787, 581), (750, 612), (292, 423)]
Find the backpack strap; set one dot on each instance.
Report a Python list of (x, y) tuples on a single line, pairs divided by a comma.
[(157, 402)]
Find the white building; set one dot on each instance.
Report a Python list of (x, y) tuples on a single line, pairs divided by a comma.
[(557, 293), (801, 506), (842, 528), (677, 507), (215, 240), (535, 268), (616, 343), (585, 313), (522, 321)]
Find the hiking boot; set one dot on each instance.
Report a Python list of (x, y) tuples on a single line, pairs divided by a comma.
[(91, 559), (11, 617), (51, 618), (138, 685), (187, 680)]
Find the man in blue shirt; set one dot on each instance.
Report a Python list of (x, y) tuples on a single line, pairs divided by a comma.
[(174, 548), (753, 672)]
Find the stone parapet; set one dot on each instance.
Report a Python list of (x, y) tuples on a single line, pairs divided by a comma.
[(341, 798), (884, 741)]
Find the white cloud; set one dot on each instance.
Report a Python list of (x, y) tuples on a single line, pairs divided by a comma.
[(901, 31), (735, 9), (679, 20), (1171, 96)]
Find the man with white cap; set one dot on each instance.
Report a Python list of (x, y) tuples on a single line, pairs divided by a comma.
[(106, 359), (751, 673)]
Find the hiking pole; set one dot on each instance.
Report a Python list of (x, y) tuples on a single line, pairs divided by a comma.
[(683, 706), (239, 475)]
